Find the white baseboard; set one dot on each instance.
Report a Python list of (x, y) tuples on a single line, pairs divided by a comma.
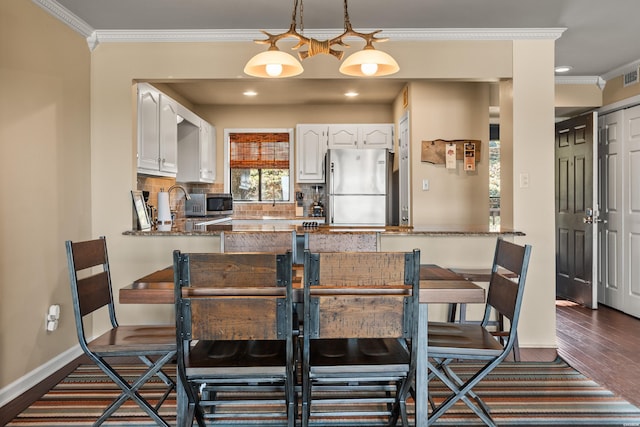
[(32, 378)]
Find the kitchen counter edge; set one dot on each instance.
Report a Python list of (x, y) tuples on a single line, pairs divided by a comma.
[(390, 230)]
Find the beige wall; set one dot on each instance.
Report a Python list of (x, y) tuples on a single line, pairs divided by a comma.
[(578, 95), (615, 91), (534, 206), (46, 175), (442, 110)]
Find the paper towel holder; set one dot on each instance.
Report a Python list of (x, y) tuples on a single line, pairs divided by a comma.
[(141, 219)]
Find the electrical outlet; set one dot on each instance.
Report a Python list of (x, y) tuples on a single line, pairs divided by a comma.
[(425, 185), (524, 180), (53, 315)]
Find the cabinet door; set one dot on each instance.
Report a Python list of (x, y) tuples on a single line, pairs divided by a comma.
[(207, 152), (377, 136), (148, 128), (168, 136), (343, 136), (311, 147)]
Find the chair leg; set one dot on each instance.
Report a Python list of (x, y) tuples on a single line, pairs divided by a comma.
[(168, 381), (516, 349), (130, 391), (452, 312), (462, 390)]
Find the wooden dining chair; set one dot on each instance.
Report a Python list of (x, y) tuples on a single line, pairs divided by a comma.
[(359, 311), (481, 275), (155, 346), (341, 242), (235, 338), (464, 341), (277, 242)]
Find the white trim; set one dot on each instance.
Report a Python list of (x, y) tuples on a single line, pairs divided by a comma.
[(402, 34), (620, 105), (95, 37), (581, 80), (622, 70), (65, 15), (24, 383)]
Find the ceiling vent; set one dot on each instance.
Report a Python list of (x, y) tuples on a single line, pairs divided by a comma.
[(630, 78)]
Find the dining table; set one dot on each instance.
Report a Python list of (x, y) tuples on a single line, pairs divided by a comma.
[(438, 285)]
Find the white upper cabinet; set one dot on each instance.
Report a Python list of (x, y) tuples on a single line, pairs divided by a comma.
[(377, 136), (196, 149), (207, 152), (311, 147), (361, 136), (157, 132), (344, 136), (148, 128), (168, 135)]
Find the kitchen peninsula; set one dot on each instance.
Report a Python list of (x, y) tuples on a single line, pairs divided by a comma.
[(181, 229)]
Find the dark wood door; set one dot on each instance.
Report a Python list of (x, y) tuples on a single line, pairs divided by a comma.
[(574, 202)]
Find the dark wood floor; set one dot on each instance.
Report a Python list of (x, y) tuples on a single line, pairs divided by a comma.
[(603, 344)]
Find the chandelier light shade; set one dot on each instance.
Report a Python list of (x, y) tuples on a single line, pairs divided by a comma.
[(274, 63), (369, 63)]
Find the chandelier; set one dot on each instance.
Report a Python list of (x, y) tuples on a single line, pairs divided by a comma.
[(274, 63)]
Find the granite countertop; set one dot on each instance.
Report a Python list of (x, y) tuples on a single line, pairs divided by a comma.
[(310, 225)]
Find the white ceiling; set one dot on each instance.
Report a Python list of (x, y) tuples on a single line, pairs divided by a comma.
[(601, 37)]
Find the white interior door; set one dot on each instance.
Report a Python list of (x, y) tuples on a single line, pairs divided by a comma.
[(631, 277), (620, 236), (610, 277)]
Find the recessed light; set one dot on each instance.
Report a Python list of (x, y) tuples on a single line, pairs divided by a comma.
[(250, 93), (351, 94), (563, 68)]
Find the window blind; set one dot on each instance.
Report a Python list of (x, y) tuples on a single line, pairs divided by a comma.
[(259, 150)]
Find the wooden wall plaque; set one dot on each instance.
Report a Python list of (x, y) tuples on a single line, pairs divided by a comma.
[(434, 151)]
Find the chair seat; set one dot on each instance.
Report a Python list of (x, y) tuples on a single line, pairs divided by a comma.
[(327, 353), (461, 339), (228, 358), (148, 339)]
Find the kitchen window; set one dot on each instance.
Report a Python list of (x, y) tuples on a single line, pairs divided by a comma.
[(259, 165)]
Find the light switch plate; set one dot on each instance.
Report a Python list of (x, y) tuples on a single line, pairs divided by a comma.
[(425, 185)]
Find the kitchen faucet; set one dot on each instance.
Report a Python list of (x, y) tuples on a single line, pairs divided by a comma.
[(186, 196)]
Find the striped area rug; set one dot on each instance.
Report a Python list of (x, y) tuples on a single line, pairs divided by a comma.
[(525, 393)]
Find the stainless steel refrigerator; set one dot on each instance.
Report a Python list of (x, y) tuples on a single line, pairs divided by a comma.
[(358, 186)]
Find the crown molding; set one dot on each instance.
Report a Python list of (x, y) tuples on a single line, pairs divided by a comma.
[(95, 37), (581, 80), (401, 34), (624, 69), (63, 14)]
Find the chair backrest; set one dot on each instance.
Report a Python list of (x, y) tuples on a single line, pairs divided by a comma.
[(243, 296), (505, 292), (256, 241), (90, 281), (361, 294), (341, 242)]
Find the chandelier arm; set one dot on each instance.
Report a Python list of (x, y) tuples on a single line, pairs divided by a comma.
[(316, 47)]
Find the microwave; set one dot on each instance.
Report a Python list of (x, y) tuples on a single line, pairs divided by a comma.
[(210, 204)]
